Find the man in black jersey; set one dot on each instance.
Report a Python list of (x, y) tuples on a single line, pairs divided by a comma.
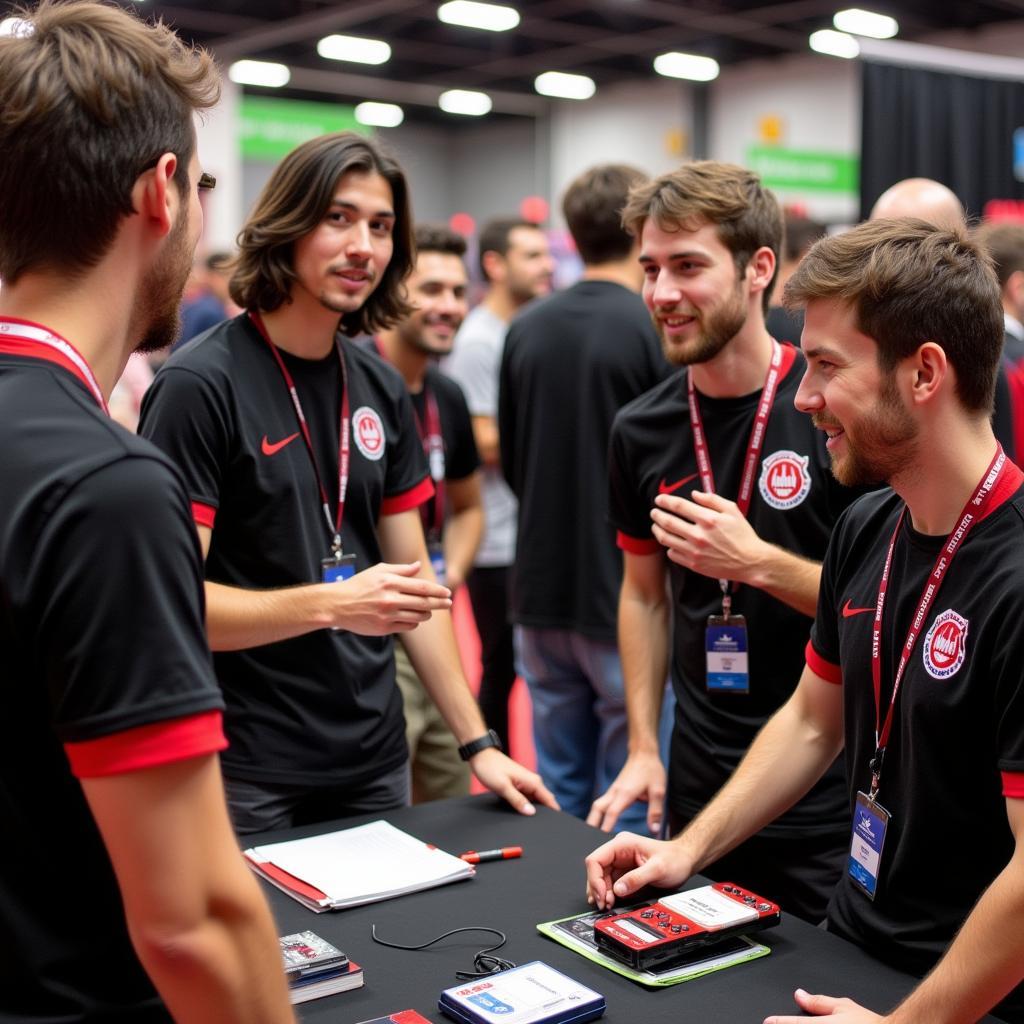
[(914, 661), (123, 895), (757, 524), (453, 519), (570, 362), (306, 476)]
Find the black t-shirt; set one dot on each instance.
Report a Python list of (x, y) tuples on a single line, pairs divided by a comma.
[(456, 457), (795, 503), (321, 708), (957, 744), (570, 363), (101, 625)]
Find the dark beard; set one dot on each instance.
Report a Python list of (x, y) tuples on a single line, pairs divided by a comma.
[(163, 287)]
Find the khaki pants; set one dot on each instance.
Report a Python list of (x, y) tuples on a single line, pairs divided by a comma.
[(437, 769)]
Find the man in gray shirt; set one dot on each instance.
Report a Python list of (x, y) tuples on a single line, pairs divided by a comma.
[(516, 263)]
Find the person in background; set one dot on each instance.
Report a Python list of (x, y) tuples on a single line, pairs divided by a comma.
[(799, 234), (1005, 245), (570, 362), (453, 519), (913, 665), (516, 263), (207, 299), (720, 491), (123, 894), (306, 474)]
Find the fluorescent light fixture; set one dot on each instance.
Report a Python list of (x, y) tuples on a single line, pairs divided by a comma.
[(686, 65), (259, 72), (15, 27), (564, 86), (464, 101), (354, 49), (471, 14), (380, 115), (866, 23), (835, 44)]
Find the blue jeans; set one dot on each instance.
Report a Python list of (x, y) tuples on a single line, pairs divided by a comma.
[(579, 717)]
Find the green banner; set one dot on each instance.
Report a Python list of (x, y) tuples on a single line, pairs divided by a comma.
[(798, 170), (270, 129)]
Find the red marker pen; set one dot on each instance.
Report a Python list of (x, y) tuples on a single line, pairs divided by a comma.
[(481, 857)]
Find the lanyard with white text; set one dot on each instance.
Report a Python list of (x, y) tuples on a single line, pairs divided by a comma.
[(21, 337), (333, 525), (782, 360), (986, 498)]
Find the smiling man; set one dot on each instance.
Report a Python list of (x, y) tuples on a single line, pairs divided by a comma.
[(453, 519), (306, 475), (737, 484)]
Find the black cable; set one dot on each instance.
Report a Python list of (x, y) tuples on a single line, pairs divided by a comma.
[(483, 963)]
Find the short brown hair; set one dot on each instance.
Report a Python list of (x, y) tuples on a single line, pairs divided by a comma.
[(294, 201), (592, 207), (909, 282), (1005, 245), (90, 96), (746, 215), (438, 238), (495, 236)]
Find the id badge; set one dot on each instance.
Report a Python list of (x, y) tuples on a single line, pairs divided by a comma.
[(337, 569), (870, 823), (437, 562), (725, 647)]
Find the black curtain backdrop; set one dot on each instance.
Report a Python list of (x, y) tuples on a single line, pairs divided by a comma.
[(928, 124)]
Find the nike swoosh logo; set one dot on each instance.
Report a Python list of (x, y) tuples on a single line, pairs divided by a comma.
[(848, 611), (273, 449), (666, 488)]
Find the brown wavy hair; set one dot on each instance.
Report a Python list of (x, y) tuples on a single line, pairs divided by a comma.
[(90, 97), (294, 201)]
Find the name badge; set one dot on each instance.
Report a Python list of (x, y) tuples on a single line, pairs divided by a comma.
[(725, 646), (337, 569), (870, 823), (437, 562)]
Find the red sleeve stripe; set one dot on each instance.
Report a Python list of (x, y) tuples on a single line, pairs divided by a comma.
[(147, 746), (637, 545), (204, 515), (412, 498), (1013, 784), (820, 667)]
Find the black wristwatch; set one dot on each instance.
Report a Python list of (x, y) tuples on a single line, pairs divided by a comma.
[(489, 739)]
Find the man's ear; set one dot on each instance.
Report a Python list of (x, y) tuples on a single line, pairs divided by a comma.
[(155, 196), (929, 368), (494, 265), (761, 268)]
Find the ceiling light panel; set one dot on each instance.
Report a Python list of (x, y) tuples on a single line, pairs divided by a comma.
[(379, 115), (464, 101), (564, 86), (834, 44), (471, 14), (354, 49), (259, 72), (866, 23), (686, 65)]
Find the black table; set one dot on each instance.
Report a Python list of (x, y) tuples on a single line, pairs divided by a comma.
[(548, 883)]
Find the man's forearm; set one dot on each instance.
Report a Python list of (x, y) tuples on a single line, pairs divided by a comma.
[(789, 578), (432, 650), (984, 962), (461, 539), (237, 619), (643, 647), (792, 751)]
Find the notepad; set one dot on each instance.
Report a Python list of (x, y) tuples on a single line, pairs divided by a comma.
[(354, 866)]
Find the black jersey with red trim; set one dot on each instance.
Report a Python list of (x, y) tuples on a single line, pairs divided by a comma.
[(956, 751), (105, 670), (795, 503), (321, 708)]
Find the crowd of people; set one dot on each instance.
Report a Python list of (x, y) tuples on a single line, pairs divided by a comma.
[(712, 533)]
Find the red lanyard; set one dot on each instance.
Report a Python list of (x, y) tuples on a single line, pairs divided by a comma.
[(994, 489), (333, 524), (782, 360), (24, 338), (433, 441)]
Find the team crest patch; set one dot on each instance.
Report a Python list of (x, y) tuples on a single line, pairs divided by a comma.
[(369, 432), (785, 480), (945, 645)]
